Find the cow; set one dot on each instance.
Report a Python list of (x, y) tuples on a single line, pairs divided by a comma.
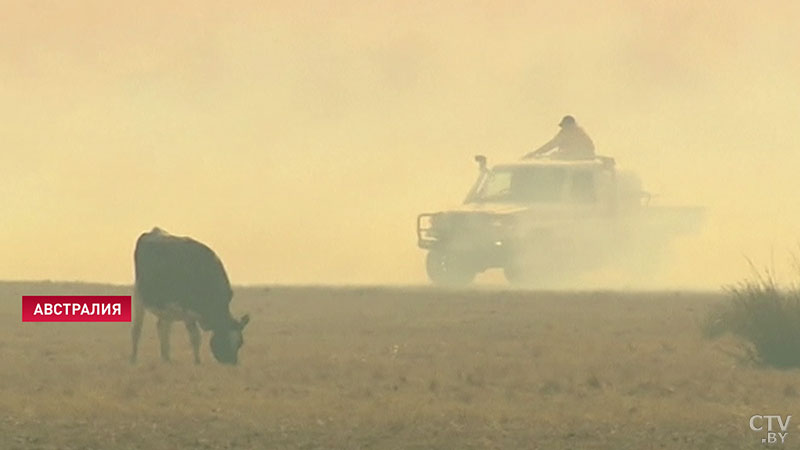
[(181, 279)]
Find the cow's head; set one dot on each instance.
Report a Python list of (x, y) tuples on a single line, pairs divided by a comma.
[(225, 344)]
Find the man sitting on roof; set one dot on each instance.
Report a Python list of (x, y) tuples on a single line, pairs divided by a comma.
[(573, 143)]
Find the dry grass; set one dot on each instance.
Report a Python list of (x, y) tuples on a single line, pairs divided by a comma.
[(765, 316), (392, 368)]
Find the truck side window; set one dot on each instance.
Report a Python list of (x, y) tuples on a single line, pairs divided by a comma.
[(538, 185), (583, 189)]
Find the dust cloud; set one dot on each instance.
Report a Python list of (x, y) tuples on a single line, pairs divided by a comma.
[(301, 140)]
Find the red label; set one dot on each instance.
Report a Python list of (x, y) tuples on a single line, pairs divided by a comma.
[(76, 308)]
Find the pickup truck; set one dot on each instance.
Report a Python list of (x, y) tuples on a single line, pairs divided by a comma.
[(545, 221)]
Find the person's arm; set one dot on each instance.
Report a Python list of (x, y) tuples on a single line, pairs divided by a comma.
[(551, 144)]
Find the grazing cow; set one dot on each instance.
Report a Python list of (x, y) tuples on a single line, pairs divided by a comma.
[(178, 278)]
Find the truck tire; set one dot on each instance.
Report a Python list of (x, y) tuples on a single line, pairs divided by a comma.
[(448, 269)]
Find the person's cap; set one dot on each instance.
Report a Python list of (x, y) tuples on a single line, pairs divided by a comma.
[(567, 120)]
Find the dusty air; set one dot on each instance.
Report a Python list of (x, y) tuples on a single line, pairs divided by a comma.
[(399, 225)]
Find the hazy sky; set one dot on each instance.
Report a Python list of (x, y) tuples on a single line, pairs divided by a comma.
[(300, 139)]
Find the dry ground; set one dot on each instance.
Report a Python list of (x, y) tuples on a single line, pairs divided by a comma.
[(393, 368)]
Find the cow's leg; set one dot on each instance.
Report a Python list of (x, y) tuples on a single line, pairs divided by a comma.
[(194, 338), (136, 330), (164, 327)]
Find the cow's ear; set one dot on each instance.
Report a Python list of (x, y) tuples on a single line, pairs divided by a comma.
[(244, 321)]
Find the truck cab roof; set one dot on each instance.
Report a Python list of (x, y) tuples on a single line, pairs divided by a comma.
[(599, 162)]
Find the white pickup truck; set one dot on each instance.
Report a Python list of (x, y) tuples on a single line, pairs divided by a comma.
[(542, 220)]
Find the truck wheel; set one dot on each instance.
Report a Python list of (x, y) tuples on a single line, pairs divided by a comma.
[(448, 269)]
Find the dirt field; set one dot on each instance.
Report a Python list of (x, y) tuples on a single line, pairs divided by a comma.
[(393, 368)]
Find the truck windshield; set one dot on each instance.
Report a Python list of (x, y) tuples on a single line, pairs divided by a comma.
[(522, 184)]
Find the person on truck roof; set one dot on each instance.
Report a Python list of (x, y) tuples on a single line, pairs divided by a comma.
[(572, 142)]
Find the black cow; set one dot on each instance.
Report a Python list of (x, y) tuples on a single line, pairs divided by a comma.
[(178, 278)]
